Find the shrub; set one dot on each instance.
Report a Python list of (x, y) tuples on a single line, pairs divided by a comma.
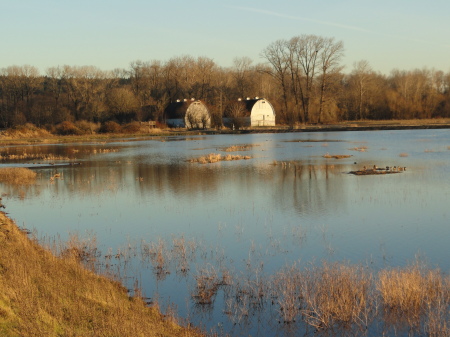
[(133, 127), (110, 127), (67, 128), (27, 130), (87, 127)]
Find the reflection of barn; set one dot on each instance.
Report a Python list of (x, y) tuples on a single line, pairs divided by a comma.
[(261, 112), (193, 114)]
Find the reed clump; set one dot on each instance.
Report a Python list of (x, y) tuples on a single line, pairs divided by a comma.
[(207, 285), (412, 293), (82, 250), (17, 176), (337, 296), (44, 295), (236, 148), (336, 156), (288, 293)]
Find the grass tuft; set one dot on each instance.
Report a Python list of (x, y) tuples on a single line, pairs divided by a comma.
[(217, 157), (17, 176)]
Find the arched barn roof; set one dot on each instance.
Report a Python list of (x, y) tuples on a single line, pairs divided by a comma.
[(250, 103)]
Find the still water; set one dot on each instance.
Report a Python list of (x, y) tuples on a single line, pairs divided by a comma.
[(287, 204)]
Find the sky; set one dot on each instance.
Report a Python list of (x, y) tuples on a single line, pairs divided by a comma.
[(110, 34)]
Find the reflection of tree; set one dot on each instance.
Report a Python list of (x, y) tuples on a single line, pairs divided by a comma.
[(308, 188), (305, 187)]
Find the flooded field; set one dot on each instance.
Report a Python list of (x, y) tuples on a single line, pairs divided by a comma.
[(229, 231)]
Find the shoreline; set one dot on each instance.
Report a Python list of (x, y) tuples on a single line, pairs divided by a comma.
[(161, 133)]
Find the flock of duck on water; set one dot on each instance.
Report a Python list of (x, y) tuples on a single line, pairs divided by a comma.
[(387, 168), (379, 170)]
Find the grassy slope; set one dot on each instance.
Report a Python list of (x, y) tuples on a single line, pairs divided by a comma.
[(42, 295)]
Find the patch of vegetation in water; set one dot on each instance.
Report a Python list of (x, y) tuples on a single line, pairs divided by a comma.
[(313, 141)]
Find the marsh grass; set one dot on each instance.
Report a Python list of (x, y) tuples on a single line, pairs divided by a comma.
[(337, 295), (31, 156), (330, 298), (17, 176), (183, 253), (82, 250), (217, 157), (414, 296), (287, 292), (207, 285), (160, 258), (336, 156), (236, 148)]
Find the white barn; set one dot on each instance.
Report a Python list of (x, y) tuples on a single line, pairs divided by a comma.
[(192, 114), (261, 111), (197, 116)]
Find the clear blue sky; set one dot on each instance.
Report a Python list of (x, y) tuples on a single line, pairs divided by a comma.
[(402, 34)]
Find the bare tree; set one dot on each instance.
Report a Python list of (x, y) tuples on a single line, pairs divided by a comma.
[(275, 54), (305, 50), (330, 55), (236, 113), (241, 74), (361, 77), (122, 103)]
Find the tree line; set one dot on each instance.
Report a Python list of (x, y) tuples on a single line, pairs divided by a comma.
[(302, 77)]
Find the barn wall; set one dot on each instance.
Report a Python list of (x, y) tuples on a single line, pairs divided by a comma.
[(262, 114)]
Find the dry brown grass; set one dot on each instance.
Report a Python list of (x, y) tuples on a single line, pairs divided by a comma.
[(34, 156), (43, 295), (25, 131), (17, 176), (336, 156), (337, 295), (207, 285), (287, 291), (217, 157), (413, 294), (235, 148)]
